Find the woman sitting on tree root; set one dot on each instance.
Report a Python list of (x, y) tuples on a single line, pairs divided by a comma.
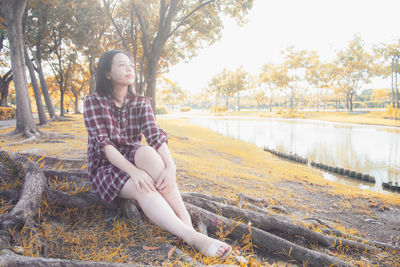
[(120, 166)]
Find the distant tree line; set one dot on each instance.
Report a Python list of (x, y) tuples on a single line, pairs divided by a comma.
[(303, 79)]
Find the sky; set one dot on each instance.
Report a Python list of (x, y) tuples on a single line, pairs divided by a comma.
[(325, 26)]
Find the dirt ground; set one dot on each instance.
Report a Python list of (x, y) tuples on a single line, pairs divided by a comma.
[(214, 164)]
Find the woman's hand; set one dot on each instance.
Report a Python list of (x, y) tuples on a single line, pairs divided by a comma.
[(142, 180), (167, 180)]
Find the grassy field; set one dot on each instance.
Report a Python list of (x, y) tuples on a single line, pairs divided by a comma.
[(212, 163), (373, 117)]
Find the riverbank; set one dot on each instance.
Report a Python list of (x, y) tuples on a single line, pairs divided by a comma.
[(358, 117), (214, 164)]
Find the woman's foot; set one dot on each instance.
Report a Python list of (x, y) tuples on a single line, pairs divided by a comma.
[(211, 247)]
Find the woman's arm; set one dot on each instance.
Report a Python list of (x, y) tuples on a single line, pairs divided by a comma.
[(140, 177)]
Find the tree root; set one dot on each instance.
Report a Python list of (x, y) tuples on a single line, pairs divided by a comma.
[(50, 162), (11, 195), (30, 195), (57, 135), (131, 211), (81, 200), (30, 135), (260, 226), (59, 118), (266, 242), (77, 176), (268, 223), (242, 197), (360, 240), (9, 258), (209, 197)]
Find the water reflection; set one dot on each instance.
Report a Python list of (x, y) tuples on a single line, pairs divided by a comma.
[(368, 149)]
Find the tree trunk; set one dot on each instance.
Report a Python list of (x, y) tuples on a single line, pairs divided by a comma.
[(393, 93), (238, 100), (397, 89), (92, 72), (292, 99), (36, 90), (4, 87), (45, 91), (4, 94), (13, 12), (151, 77), (39, 70), (76, 109), (270, 104), (62, 113), (351, 103)]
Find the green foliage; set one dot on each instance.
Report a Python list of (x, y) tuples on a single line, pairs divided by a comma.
[(171, 92), (392, 112), (352, 67), (185, 109), (7, 113), (228, 83), (161, 110), (291, 113), (216, 109)]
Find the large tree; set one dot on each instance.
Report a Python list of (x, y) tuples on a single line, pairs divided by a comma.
[(273, 77), (388, 59), (64, 53), (42, 16), (169, 31), (295, 65), (36, 89), (317, 74), (6, 78), (352, 67), (12, 11), (240, 80), (79, 85), (221, 86), (89, 25)]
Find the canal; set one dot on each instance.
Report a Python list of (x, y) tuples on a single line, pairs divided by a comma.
[(373, 150)]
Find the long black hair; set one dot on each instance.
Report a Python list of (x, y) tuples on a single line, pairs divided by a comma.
[(104, 86)]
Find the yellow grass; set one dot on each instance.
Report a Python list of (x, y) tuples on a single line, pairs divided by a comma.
[(206, 162), (373, 117), (212, 163)]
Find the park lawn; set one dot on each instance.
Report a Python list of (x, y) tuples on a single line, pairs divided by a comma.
[(372, 117), (211, 163)]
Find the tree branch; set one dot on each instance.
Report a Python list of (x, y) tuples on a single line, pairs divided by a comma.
[(107, 7), (188, 15), (144, 30)]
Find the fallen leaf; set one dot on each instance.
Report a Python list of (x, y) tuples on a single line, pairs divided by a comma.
[(241, 259), (150, 248), (171, 251)]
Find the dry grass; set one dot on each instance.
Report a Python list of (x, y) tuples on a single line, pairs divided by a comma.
[(206, 162), (373, 117)]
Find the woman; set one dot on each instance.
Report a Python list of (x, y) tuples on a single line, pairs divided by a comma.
[(120, 166)]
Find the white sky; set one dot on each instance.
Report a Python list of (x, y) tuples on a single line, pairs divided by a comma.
[(273, 25)]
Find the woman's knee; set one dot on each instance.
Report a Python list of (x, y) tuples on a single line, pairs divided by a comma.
[(148, 159), (130, 191)]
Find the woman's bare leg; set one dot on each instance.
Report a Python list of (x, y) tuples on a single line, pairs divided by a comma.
[(160, 212), (147, 159)]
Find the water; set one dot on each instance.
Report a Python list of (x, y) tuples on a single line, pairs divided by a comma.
[(373, 150)]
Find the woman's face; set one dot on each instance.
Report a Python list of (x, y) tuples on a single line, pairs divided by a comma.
[(121, 70)]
